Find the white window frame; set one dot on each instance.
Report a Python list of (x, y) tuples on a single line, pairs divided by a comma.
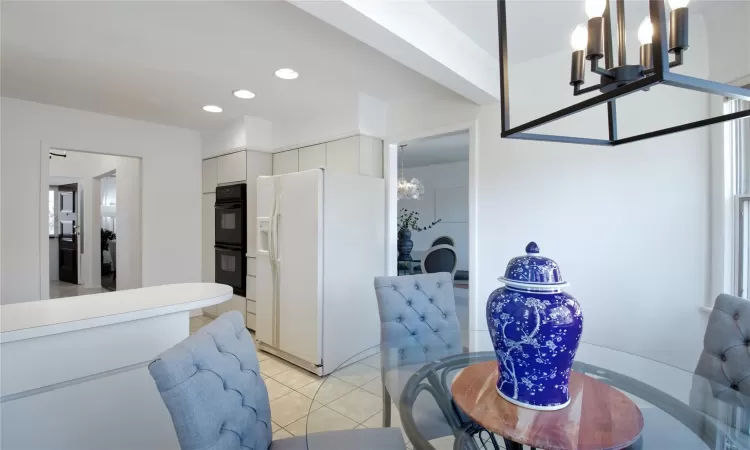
[(737, 140)]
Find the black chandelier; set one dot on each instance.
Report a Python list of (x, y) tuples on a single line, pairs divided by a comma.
[(593, 43)]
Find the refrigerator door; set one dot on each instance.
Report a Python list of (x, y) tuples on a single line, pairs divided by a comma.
[(266, 315), (300, 259)]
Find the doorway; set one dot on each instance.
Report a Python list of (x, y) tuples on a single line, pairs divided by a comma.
[(93, 223), (432, 208), (68, 237)]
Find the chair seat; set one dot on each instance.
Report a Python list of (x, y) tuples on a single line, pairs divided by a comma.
[(370, 439), (427, 415)]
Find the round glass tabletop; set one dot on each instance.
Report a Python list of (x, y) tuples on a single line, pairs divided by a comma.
[(624, 401)]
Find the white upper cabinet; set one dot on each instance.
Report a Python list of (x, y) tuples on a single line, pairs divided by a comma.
[(312, 157), (258, 163), (210, 175), (286, 162), (232, 167), (343, 155), (361, 155)]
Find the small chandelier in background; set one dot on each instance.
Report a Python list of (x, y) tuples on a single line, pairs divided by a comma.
[(413, 189)]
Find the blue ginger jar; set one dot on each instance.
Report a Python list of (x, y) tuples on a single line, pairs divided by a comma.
[(535, 328)]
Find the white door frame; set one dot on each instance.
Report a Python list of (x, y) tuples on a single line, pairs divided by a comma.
[(44, 149), (390, 156)]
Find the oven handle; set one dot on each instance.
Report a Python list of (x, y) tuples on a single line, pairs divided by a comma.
[(228, 248), (227, 205)]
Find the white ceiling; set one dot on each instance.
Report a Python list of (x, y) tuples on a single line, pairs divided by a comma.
[(537, 28), (162, 61), (443, 149)]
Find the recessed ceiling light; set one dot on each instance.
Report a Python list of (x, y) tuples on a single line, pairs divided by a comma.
[(286, 74), (244, 94), (212, 109)]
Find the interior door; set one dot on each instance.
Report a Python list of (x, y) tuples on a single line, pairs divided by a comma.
[(300, 254), (68, 242)]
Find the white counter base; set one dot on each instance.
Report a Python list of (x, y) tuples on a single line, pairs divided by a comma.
[(89, 388)]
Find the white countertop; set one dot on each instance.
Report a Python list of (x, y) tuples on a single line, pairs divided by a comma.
[(44, 317)]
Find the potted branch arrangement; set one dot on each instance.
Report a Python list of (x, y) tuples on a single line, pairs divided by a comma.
[(408, 221)]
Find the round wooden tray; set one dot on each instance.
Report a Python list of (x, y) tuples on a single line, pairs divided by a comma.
[(598, 417)]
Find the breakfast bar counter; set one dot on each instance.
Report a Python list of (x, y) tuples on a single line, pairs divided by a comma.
[(73, 372)]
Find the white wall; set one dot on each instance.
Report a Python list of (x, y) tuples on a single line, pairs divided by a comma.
[(128, 252), (447, 197), (171, 191), (629, 225)]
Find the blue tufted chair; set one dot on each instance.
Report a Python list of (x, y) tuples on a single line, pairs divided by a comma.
[(418, 324), (212, 387), (722, 388)]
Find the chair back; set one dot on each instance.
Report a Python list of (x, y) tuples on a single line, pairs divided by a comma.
[(444, 240), (212, 387), (441, 258), (418, 321), (726, 345)]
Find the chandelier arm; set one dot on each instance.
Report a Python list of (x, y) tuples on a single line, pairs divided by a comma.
[(677, 58), (598, 70), (578, 91)]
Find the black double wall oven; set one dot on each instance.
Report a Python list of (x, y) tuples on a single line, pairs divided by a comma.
[(230, 217)]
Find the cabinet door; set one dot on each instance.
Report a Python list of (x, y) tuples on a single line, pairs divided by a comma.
[(207, 245), (208, 238), (239, 304), (343, 155), (210, 175), (312, 157), (286, 162), (232, 167), (258, 164)]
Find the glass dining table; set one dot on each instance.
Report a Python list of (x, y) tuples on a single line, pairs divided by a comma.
[(618, 400)]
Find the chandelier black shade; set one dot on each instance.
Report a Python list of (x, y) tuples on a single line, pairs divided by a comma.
[(593, 44)]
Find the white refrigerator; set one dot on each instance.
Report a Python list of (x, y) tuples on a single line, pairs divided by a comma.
[(321, 241)]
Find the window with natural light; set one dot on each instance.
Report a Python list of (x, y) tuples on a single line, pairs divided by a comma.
[(739, 141), (52, 221)]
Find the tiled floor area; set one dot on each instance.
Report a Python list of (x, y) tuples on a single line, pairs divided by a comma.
[(351, 398), (59, 289)]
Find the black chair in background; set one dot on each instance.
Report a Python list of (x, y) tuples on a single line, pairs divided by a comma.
[(440, 258)]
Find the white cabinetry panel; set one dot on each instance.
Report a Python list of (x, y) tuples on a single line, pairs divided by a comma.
[(312, 157), (343, 155), (210, 175), (207, 245), (370, 157), (258, 163), (232, 167), (286, 162)]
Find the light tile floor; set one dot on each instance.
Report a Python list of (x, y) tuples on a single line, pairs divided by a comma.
[(305, 403), (59, 289)]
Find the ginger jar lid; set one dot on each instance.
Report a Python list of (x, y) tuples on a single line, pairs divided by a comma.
[(533, 271)]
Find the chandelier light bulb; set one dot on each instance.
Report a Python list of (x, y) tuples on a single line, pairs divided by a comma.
[(675, 4), (645, 31), (580, 37), (595, 8)]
